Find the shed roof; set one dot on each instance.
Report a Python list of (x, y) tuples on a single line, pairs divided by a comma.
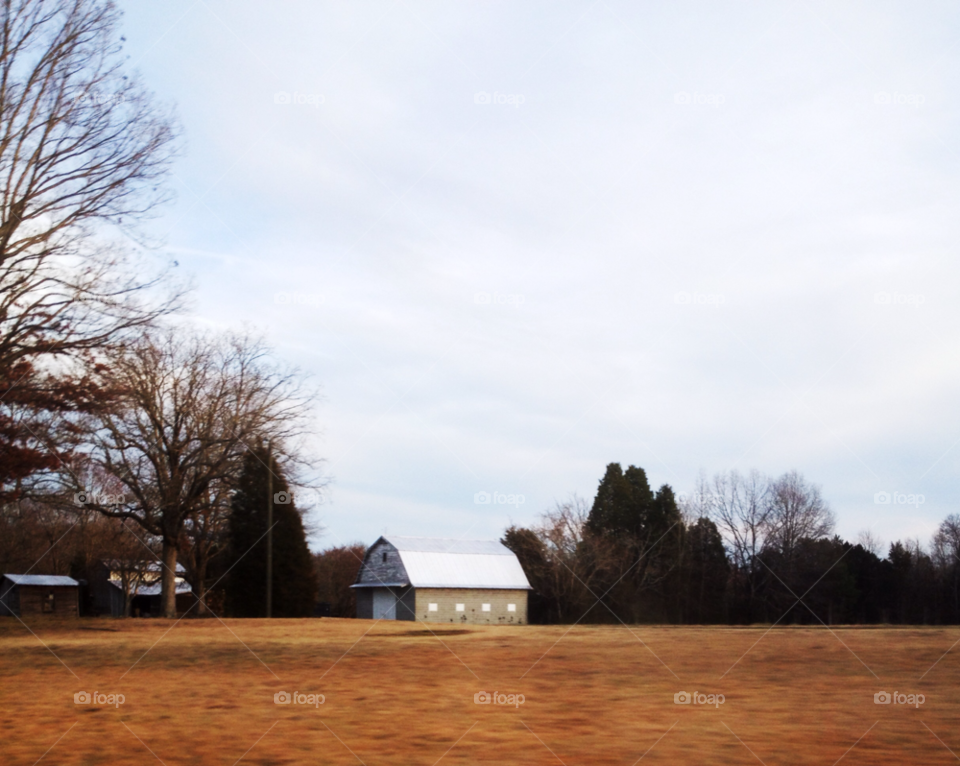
[(448, 563), (47, 581)]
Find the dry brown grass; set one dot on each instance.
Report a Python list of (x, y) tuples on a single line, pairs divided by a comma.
[(395, 694)]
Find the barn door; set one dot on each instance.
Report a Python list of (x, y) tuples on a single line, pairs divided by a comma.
[(384, 604)]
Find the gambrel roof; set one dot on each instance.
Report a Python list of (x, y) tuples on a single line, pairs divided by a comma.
[(430, 562)]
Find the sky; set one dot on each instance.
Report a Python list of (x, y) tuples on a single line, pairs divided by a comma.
[(515, 242)]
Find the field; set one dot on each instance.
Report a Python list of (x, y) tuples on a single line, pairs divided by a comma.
[(202, 692)]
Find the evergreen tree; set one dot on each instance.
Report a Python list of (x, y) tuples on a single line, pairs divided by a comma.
[(705, 573), (294, 575), (622, 504), (643, 534), (871, 576)]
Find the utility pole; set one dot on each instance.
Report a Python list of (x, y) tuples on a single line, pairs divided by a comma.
[(269, 528)]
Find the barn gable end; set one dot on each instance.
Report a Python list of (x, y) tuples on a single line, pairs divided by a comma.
[(382, 566)]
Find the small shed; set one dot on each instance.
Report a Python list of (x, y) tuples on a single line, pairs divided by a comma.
[(440, 580), (27, 595)]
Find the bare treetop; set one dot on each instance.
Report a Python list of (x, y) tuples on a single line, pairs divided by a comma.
[(189, 407), (82, 145)]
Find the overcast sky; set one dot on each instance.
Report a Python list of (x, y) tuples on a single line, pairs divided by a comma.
[(515, 242)]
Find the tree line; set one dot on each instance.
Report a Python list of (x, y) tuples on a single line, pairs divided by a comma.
[(223, 551), (740, 549)]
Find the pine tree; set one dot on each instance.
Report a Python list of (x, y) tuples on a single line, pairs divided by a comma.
[(705, 573), (642, 533), (294, 575)]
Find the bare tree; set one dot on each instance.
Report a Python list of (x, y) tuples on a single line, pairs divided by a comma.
[(739, 504), (867, 540), (797, 512), (337, 569), (205, 540), (740, 507), (83, 156), (191, 406), (946, 556), (946, 542), (81, 145), (562, 530), (36, 536)]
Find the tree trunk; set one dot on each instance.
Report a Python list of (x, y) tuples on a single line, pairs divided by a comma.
[(201, 593), (168, 582)]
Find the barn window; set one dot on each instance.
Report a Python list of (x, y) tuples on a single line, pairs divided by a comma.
[(48, 603), (384, 557), (460, 607), (486, 607), (432, 608), (511, 607)]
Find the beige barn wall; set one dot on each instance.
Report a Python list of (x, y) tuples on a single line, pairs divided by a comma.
[(473, 599)]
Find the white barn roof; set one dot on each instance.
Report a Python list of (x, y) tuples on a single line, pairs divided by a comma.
[(440, 563), (47, 581)]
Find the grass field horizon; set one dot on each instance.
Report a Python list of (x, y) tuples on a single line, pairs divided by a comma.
[(203, 692)]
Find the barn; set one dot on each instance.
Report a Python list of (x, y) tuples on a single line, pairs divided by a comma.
[(438, 580), (27, 595)]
